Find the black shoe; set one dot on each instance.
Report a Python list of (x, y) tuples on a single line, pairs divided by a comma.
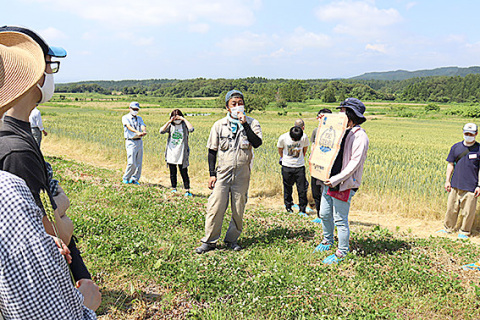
[(289, 210), (205, 247), (234, 246)]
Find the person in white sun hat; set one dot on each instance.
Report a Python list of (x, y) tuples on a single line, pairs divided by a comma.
[(35, 281), (462, 182)]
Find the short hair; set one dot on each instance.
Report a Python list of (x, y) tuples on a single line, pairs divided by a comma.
[(176, 112), (299, 123), (324, 110), (296, 133), (353, 117)]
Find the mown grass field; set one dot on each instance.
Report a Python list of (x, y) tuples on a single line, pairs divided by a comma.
[(138, 242)]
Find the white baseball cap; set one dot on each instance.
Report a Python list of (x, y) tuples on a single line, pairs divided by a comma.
[(134, 105), (470, 127)]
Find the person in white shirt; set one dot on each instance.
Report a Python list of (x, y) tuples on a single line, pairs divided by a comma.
[(133, 130), (292, 147), (178, 151), (36, 124)]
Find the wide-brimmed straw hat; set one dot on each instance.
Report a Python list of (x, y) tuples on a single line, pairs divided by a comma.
[(22, 63)]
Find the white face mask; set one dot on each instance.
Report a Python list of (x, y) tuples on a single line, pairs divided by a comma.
[(133, 112), (468, 139), (177, 121), (47, 89), (235, 110)]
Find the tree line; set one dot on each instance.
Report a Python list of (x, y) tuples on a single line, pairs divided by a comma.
[(282, 91)]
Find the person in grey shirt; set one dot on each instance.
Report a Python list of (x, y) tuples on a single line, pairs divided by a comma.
[(133, 130)]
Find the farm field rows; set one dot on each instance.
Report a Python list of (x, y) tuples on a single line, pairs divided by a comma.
[(404, 171)]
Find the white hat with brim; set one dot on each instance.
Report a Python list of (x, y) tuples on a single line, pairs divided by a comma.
[(22, 64)]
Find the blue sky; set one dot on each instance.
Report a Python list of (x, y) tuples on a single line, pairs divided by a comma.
[(303, 39)]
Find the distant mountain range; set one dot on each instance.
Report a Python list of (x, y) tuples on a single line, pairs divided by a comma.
[(403, 74)]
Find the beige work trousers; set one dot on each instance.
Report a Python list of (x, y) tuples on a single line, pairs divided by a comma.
[(230, 186), (464, 201)]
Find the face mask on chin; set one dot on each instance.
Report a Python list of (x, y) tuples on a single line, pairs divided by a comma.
[(235, 110), (47, 89), (468, 139)]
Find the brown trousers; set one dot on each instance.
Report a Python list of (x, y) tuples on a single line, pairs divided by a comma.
[(464, 201), (230, 186)]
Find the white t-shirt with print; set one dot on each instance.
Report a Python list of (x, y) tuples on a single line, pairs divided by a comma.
[(292, 150), (175, 146)]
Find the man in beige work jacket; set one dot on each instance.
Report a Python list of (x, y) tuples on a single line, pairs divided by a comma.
[(231, 141)]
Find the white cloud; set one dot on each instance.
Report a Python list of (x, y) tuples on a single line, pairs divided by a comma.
[(358, 18), (376, 47), (303, 39), (128, 14), (89, 36), (245, 42), (456, 38), (138, 41), (199, 28), (142, 41), (51, 34), (410, 5), (280, 53)]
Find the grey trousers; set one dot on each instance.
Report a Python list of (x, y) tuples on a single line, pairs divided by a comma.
[(134, 159), (37, 134)]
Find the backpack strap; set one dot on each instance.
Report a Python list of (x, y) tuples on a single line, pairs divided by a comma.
[(464, 153)]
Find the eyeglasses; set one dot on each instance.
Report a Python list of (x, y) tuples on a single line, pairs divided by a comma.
[(54, 65)]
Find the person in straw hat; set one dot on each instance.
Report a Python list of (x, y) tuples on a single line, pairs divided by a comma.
[(21, 155), (35, 282)]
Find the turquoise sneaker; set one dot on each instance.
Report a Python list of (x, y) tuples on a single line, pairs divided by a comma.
[(125, 181), (462, 236), (317, 220), (323, 246), (188, 194), (134, 182), (332, 259), (174, 190), (472, 266)]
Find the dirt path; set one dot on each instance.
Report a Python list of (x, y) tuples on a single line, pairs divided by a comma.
[(394, 222)]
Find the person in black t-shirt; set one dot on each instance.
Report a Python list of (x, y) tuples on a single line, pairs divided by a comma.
[(26, 79), (21, 155), (462, 182)]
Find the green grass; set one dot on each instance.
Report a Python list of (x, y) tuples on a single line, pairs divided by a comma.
[(138, 241)]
